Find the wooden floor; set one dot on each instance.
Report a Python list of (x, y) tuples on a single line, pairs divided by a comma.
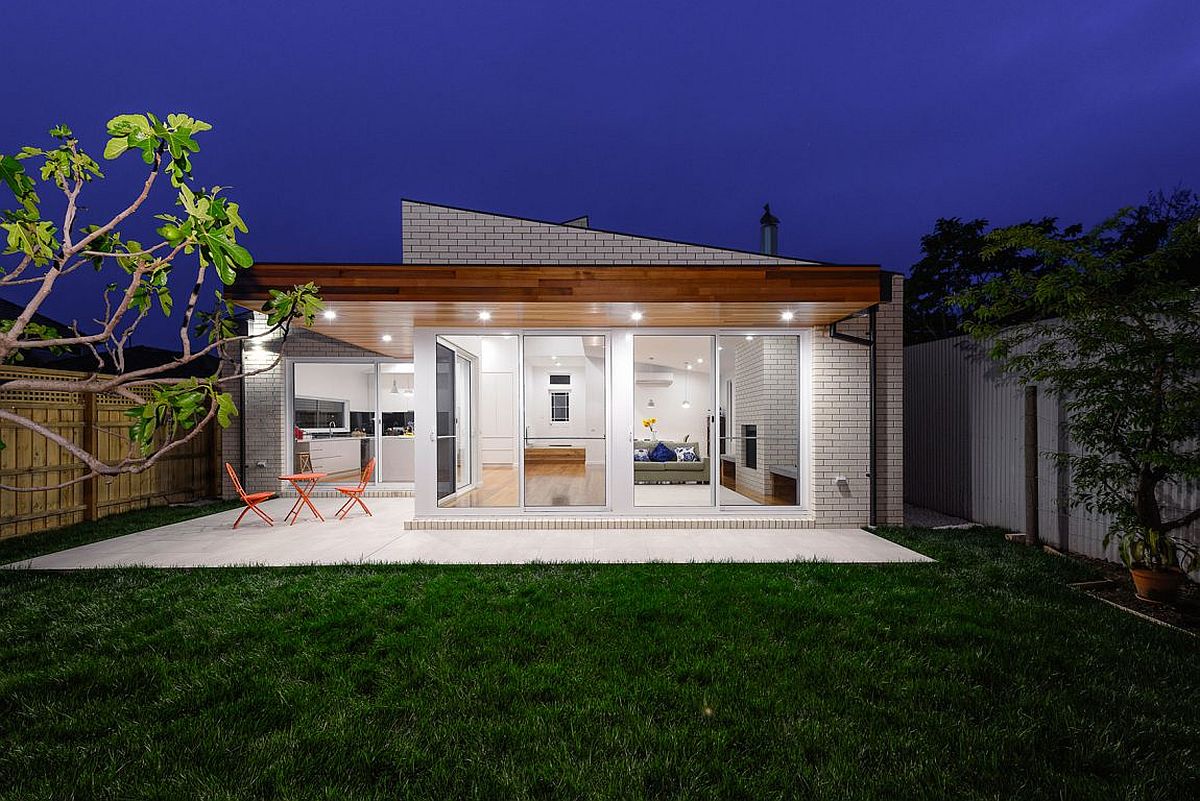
[(550, 485)]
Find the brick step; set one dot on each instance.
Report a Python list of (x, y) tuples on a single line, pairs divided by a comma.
[(515, 522)]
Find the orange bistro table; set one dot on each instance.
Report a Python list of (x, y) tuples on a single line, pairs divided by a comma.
[(304, 483)]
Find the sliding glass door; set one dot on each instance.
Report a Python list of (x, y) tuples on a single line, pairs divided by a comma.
[(761, 427), (672, 416), (565, 443), (446, 425)]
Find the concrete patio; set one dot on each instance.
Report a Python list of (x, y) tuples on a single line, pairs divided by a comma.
[(211, 542)]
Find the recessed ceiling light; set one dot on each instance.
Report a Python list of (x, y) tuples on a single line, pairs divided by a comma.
[(749, 337), (386, 337), (786, 316), (636, 317), (485, 316), (688, 365), (330, 314), (699, 361)]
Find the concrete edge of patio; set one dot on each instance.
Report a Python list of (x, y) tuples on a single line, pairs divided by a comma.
[(211, 542)]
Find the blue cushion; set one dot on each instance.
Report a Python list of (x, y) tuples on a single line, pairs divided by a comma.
[(641, 455), (662, 453), (687, 454)]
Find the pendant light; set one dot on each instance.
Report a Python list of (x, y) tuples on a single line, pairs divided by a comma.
[(687, 404)]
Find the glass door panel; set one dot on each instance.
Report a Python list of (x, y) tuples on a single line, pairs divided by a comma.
[(463, 431), (759, 420), (564, 442), (444, 406), (396, 442), (485, 428), (672, 415)]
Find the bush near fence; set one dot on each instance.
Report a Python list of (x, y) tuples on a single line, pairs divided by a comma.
[(98, 423)]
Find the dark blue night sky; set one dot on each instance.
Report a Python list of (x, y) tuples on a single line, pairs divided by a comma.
[(860, 122)]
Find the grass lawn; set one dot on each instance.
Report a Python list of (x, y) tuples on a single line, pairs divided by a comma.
[(982, 676)]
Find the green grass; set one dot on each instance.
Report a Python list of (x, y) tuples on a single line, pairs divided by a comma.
[(982, 676), (14, 549)]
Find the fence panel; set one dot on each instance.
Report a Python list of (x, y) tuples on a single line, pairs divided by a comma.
[(964, 449), (98, 423)]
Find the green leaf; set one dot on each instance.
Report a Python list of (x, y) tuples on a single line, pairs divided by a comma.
[(116, 147)]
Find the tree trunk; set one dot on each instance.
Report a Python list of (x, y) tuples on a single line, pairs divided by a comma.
[(1145, 502), (1032, 534)]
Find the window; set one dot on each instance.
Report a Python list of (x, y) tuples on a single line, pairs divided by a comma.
[(560, 407), (320, 414), (560, 379)]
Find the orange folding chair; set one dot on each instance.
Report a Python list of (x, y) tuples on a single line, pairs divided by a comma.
[(252, 500), (354, 494)]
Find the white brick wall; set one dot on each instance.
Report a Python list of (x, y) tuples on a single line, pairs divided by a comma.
[(442, 235), (839, 428), (889, 409), (841, 422)]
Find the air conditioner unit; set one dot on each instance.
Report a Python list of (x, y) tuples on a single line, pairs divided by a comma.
[(662, 379)]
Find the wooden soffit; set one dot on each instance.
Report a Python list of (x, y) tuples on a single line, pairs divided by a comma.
[(373, 300)]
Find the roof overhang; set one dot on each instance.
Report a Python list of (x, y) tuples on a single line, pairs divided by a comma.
[(374, 299)]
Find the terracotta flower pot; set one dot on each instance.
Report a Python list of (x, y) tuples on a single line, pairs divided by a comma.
[(1157, 585)]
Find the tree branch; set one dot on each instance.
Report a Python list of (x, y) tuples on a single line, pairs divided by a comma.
[(1182, 521), (11, 338), (96, 468)]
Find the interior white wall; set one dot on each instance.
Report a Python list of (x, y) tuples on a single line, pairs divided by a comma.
[(587, 421), (499, 437), (674, 421), (399, 401), (351, 382)]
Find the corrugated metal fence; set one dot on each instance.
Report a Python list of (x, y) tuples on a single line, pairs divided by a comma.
[(964, 449)]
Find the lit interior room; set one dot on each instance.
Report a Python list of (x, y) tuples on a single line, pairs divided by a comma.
[(340, 422)]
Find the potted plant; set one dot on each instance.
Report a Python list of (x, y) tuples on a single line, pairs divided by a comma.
[(1158, 562)]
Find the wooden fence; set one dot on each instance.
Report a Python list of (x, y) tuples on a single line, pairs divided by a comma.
[(98, 423)]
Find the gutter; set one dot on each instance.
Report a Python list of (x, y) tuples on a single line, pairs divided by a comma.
[(868, 342)]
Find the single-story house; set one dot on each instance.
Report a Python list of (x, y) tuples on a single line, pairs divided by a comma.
[(522, 370)]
